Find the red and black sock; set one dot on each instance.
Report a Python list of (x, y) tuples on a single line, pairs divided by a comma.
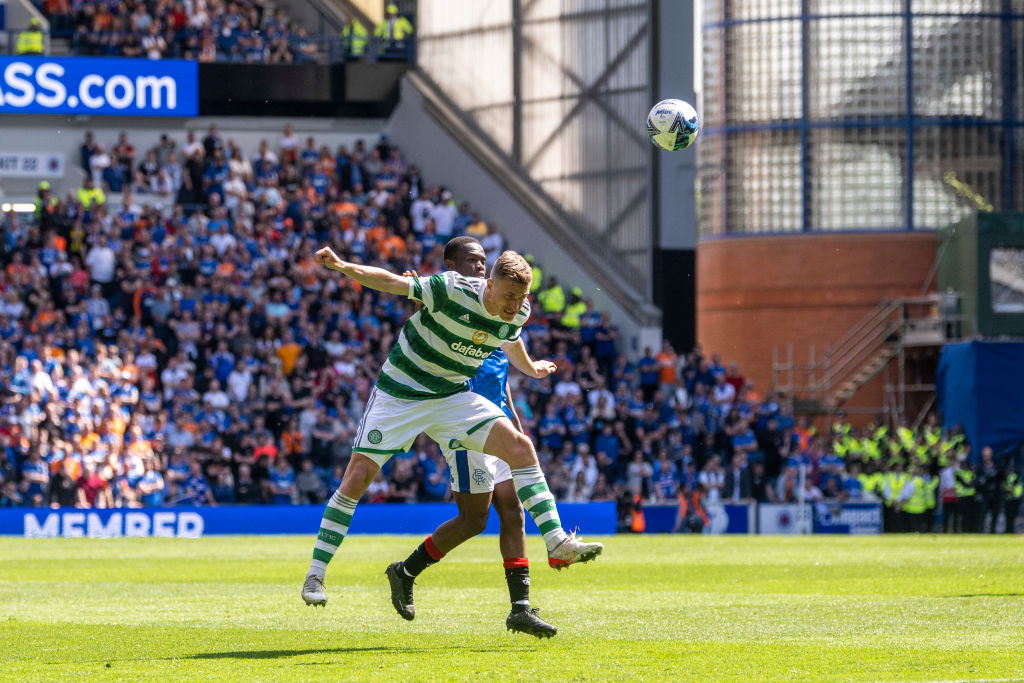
[(425, 555), (517, 576)]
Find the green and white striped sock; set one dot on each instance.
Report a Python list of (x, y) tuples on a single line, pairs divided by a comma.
[(532, 489), (333, 527)]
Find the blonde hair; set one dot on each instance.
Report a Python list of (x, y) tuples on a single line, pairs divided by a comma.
[(512, 266)]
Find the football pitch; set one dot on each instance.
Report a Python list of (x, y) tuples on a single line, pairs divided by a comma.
[(912, 608)]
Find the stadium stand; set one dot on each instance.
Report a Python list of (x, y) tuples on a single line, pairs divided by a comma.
[(241, 31), (167, 338)]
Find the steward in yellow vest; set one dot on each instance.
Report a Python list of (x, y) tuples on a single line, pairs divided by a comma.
[(574, 311), (354, 36), (1013, 492), (30, 41)]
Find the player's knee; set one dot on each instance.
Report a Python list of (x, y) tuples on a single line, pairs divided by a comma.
[(522, 452), (358, 476)]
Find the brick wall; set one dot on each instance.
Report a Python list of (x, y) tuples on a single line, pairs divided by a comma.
[(756, 293)]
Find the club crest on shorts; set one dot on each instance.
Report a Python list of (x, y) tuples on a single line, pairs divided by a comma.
[(374, 436), (503, 331), (479, 337), (479, 476)]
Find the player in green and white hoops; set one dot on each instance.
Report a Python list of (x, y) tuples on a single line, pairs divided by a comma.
[(422, 388)]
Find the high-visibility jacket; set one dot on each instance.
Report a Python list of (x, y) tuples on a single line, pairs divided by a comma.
[(552, 299), (355, 38), (870, 449), (87, 197), (894, 482), (933, 492), (400, 30), (906, 437), (869, 482), (30, 42), (918, 501), (1013, 488), (963, 483), (537, 280), (573, 313)]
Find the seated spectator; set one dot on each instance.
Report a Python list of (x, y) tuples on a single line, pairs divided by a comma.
[(308, 484), (282, 483)]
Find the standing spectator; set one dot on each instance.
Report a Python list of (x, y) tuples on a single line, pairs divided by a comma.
[(989, 479), (648, 368), (393, 30), (666, 480), (667, 361), (99, 162), (737, 486), (1013, 492), (638, 475), (354, 38), (31, 41), (87, 150), (712, 479), (153, 43)]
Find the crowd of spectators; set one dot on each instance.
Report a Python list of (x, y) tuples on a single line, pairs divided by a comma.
[(241, 31), (180, 345)]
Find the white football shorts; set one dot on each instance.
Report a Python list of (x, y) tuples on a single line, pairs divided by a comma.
[(473, 471), (390, 425)]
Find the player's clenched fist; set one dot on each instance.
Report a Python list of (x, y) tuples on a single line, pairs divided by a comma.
[(543, 368), (327, 258)]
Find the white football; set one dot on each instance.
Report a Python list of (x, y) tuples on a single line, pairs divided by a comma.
[(672, 125)]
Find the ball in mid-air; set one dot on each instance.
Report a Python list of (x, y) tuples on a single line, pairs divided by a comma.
[(672, 125)]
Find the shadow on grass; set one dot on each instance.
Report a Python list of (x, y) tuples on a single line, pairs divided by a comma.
[(985, 595), (397, 649)]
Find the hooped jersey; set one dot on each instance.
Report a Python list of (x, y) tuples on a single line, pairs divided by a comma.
[(443, 344)]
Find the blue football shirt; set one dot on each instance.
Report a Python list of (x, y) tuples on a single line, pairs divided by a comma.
[(492, 379)]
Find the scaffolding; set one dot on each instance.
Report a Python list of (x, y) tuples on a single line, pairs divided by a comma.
[(884, 342)]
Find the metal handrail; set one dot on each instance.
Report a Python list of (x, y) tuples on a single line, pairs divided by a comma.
[(872, 337), (842, 341), (871, 333)]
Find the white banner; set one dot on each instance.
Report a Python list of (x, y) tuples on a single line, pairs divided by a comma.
[(29, 165), (784, 518)]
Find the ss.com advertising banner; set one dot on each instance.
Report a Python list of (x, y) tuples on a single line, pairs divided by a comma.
[(99, 86)]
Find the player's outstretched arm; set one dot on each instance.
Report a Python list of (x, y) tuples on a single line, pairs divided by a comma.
[(521, 361), (368, 276)]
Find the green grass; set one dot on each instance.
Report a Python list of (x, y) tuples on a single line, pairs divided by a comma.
[(656, 608)]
